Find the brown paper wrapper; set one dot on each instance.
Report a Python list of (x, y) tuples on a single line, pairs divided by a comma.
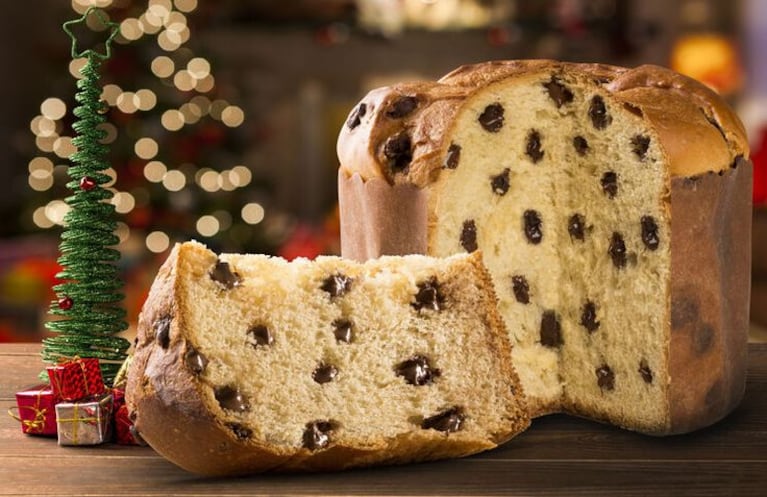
[(710, 293), (380, 219)]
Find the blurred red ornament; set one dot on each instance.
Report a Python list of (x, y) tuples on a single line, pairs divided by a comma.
[(87, 183), (759, 158), (65, 303)]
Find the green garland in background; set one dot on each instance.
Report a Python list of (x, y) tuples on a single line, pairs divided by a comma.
[(88, 309)]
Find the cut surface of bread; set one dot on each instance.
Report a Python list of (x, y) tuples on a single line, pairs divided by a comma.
[(248, 363), (612, 210)]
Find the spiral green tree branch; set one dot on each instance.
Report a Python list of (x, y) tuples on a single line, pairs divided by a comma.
[(88, 312)]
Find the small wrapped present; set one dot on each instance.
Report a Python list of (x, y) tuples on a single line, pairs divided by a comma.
[(36, 410), (125, 433), (87, 422), (76, 379)]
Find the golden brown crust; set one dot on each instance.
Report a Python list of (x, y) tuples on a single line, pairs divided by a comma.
[(692, 122)]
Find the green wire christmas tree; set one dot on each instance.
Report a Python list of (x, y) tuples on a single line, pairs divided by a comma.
[(88, 303)]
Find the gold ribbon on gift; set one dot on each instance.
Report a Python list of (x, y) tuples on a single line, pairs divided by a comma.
[(34, 425), (38, 422), (63, 361), (76, 422)]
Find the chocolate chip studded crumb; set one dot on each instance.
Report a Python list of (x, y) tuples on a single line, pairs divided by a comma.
[(337, 284), (617, 250), (398, 152), (533, 226), (401, 107), (453, 156), (609, 183), (521, 289), (317, 434), (551, 330), (356, 116), (633, 109), (240, 431), (598, 113), (195, 361), (428, 296), (650, 232), (324, 373), (469, 235), (500, 183), (533, 147), (342, 330), (223, 275), (605, 377), (639, 145), (576, 227), (259, 335), (589, 317), (558, 92), (449, 421), (581, 145), (491, 118), (645, 371), (417, 370), (162, 331), (230, 398)]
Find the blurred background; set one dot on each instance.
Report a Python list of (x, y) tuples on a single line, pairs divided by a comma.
[(223, 114)]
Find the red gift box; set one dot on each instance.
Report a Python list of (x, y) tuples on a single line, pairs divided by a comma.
[(76, 379), (125, 433), (36, 408)]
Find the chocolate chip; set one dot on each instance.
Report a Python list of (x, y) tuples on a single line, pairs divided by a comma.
[(417, 370), (617, 250), (453, 156), (337, 284), (162, 331), (194, 360), (589, 317), (342, 330), (650, 232), (576, 226), (598, 113), (521, 289), (645, 371), (428, 296), (558, 92), (356, 116), (533, 147), (551, 330), (491, 118), (581, 145), (401, 107), (605, 377), (533, 227), (610, 184), (230, 398), (240, 431), (449, 421), (317, 434), (500, 183), (398, 151), (640, 144), (223, 275), (259, 335), (324, 373), (469, 235)]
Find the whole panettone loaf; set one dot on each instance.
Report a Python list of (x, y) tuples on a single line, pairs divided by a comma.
[(612, 207), (247, 363)]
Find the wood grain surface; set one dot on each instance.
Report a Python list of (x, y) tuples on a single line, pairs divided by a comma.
[(558, 455)]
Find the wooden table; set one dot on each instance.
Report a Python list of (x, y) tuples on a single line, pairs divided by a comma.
[(558, 455)]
